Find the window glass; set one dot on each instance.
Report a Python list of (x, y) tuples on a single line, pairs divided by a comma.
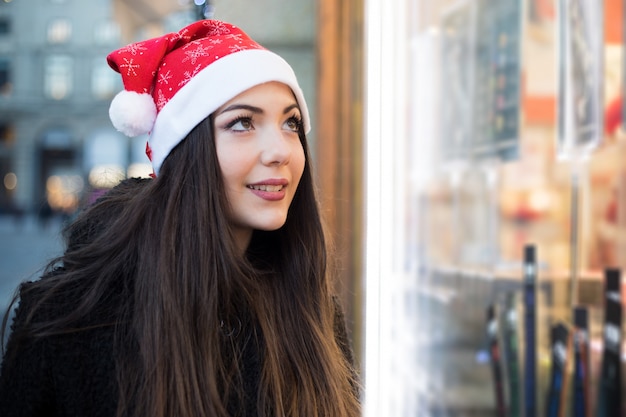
[(104, 81), (5, 26), (5, 77), (107, 33), (59, 31), (7, 133), (58, 76)]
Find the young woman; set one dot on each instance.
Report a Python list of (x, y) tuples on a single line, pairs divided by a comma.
[(202, 291)]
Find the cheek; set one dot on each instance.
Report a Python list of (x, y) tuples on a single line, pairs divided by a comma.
[(232, 160), (234, 172)]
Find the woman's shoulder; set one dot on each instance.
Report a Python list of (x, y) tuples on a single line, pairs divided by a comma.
[(52, 303), (45, 366), (33, 293)]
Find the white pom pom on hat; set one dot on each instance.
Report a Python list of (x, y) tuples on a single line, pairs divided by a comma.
[(173, 82), (133, 113)]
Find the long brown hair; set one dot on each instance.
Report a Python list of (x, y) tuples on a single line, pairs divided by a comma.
[(168, 244)]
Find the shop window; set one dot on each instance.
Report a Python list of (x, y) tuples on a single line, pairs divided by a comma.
[(59, 31), (58, 75)]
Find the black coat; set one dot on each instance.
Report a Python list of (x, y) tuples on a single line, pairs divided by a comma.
[(73, 375)]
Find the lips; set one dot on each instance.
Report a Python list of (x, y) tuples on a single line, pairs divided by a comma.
[(270, 190)]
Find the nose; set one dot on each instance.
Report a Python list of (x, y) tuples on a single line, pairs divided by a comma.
[(277, 147)]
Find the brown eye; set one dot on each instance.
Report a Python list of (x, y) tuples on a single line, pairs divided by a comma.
[(293, 124), (241, 124)]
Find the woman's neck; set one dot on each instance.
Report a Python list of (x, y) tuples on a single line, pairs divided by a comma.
[(242, 239)]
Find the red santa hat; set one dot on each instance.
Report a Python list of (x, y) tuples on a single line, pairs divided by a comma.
[(173, 82)]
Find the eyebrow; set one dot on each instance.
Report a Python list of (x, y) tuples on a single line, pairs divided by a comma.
[(255, 109)]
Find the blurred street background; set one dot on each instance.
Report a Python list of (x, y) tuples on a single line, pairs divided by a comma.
[(26, 246)]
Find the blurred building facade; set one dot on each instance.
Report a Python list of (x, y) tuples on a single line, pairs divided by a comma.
[(55, 87)]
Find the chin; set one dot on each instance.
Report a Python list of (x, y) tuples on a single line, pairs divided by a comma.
[(271, 226)]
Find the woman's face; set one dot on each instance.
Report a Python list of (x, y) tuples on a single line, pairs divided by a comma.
[(260, 155)]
